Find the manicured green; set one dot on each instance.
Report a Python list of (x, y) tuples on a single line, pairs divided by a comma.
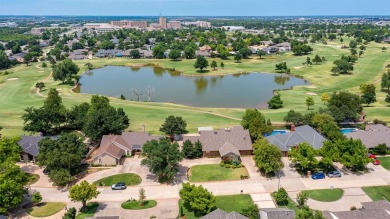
[(32, 178), (130, 179), (227, 203), (136, 205), (290, 205), (89, 212), (377, 193), (325, 195), (46, 209), (214, 172), (385, 162)]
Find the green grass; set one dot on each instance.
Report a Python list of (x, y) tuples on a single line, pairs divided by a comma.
[(129, 178), (136, 205), (385, 162), (326, 195), (227, 203), (32, 178), (290, 203), (377, 193), (214, 172), (89, 212), (46, 209)]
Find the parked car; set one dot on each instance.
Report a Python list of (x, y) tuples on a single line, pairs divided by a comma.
[(372, 156), (118, 186), (318, 175), (334, 174), (46, 171), (376, 162)]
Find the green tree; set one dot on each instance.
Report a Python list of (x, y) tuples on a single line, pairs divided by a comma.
[(141, 196), (380, 149), (325, 123), (281, 67), (294, 117), (83, 192), (88, 65), (40, 85), (368, 93), (4, 61), (158, 51), (353, 44), (214, 64), (201, 63), (237, 57), (65, 70), (255, 122), (268, 157), (134, 54), (261, 53), (36, 198), (197, 199), (387, 100), (191, 150), (77, 114), (341, 67), (162, 158), (303, 156), (281, 197), (384, 49), (344, 105), (103, 119), (275, 102), (308, 61), (385, 81), (309, 102), (317, 59), (325, 97), (222, 65), (174, 126), (174, 54), (302, 197), (245, 52), (44, 65), (189, 52), (70, 214)]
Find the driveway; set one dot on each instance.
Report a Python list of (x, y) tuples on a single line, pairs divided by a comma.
[(32, 168)]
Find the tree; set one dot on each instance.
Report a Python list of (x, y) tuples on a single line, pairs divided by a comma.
[(385, 81), (303, 156), (222, 65), (325, 97), (77, 114), (255, 122), (214, 64), (341, 40), (353, 44), (381, 149), (308, 61), (88, 65), (245, 52), (44, 65), (162, 158), (4, 61), (141, 196), (36, 198), (134, 54), (341, 67), (261, 53), (384, 49), (300, 49), (16, 49), (307, 213), (201, 63), (252, 212), (70, 214), (281, 197), (268, 157), (189, 52), (197, 199), (281, 67), (275, 102), (191, 150), (302, 197), (309, 102), (344, 106), (361, 52), (294, 117), (65, 70), (174, 54), (158, 51), (103, 119), (83, 192), (387, 100), (237, 57), (317, 59), (174, 126), (40, 85)]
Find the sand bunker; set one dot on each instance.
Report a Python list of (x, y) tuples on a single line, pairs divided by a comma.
[(311, 87), (12, 79), (311, 94)]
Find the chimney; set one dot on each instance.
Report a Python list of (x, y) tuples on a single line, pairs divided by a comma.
[(292, 128), (143, 127)]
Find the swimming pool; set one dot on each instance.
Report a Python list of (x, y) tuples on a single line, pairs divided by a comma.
[(348, 130)]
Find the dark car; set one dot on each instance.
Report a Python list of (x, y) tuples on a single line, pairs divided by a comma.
[(118, 186), (318, 175), (334, 174)]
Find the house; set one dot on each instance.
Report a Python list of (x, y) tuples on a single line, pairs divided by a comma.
[(386, 40), (30, 149), (146, 53), (373, 136), (219, 214), (113, 147), (205, 48), (227, 143), (18, 57), (297, 135), (374, 209), (44, 43), (283, 47), (206, 54), (267, 43), (276, 213)]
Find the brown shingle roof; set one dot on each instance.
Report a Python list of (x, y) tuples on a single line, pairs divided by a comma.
[(228, 148), (137, 139), (371, 139), (277, 213)]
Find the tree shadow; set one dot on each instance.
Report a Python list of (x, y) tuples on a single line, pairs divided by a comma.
[(203, 71)]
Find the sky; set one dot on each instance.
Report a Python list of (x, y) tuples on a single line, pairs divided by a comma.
[(195, 7)]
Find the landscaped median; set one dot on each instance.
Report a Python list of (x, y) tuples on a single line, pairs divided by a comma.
[(46, 209), (325, 195), (215, 172), (137, 205), (130, 179)]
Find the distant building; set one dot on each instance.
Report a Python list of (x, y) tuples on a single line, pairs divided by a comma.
[(197, 23), (37, 30), (233, 28), (130, 24), (174, 25), (163, 22), (101, 27), (54, 25), (9, 24)]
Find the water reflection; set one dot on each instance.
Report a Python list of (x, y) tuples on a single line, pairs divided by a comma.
[(201, 84), (282, 79)]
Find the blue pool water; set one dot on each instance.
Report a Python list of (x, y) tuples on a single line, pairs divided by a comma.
[(276, 132), (347, 130)]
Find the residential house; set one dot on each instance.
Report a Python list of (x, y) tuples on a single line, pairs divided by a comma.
[(30, 148), (297, 135), (146, 53), (271, 50), (227, 143), (206, 54), (283, 47), (44, 43), (205, 48), (370, 210), (113, 147), (373, 136), (267, 43), (220, 214), (276, 213), (18, 57), (115, 41), (386, 40)]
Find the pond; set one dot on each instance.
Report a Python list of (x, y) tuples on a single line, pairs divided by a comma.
[(246, 90)]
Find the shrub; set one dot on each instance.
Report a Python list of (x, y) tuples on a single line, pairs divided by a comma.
[(70, 214), (380, 149), (227, 165), (353, 208), (281, 197)]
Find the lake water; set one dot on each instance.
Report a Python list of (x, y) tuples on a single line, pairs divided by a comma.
[(245, 90)]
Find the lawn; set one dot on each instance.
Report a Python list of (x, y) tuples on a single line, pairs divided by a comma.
[(130, 179), (385, 162), (89, 212), (326, 195), (32, 178), (214, 172), (227, 203), (377, 193), (136, 205), (46, 209)]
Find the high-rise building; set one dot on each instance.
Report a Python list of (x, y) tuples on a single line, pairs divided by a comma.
[(174, 25), (163, 22), (130, 24)]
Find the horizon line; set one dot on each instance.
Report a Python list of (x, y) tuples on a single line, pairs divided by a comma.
[(331, 15)]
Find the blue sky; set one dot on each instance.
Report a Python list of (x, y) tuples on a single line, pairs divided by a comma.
[(195, 7)]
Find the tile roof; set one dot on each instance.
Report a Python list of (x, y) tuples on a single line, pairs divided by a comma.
[(301, 134), (29, 144), (277, 213), (371, 139), (219, 214)]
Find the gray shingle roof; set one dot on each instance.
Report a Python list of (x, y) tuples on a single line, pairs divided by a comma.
[(277, 213), (371, 139), (362, 214), (377, 127), (301, 134), (383, 204), (219, 214), (29, 144), (228, 148)]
